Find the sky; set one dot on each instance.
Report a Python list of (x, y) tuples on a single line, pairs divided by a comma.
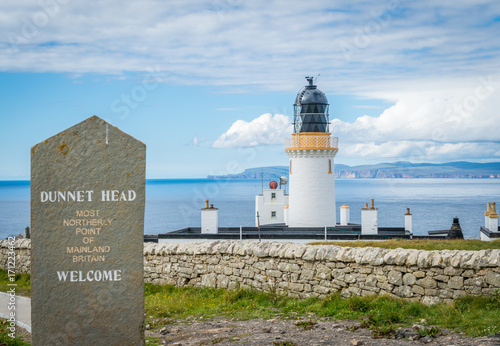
[(209, 86)]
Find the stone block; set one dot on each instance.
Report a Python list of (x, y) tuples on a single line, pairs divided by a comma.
[(321, 289), (307, 274), (355, 290), (373, 289), (418, 290), (310, 253), (451, 271), (395, 277), (323, 272), (365, 270), (419, 274), (371, 280), (339, 283), (403, 291), (442, 285), (409, 279), (427, 282), (489, 291), (260, 278), (345, 293), (274, 273), (431, 292), (289, 267), (442, 278), (458, 294), (385, 286), (456, 282), (245, 273), (445, 294), (183, 270), (350, 278), (493, 279), (209, 280), (477, 281), (469, 273), (426, 300), (259, 266), (472, 290)]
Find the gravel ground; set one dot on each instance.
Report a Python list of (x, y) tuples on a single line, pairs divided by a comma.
[(193, 331), (219, 331)]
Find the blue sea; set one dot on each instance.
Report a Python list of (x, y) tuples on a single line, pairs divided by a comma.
[(175, 203)]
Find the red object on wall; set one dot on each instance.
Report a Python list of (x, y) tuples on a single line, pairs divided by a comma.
[(273, 185)]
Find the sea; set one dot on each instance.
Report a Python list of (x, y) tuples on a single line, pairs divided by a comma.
[(173, 204)]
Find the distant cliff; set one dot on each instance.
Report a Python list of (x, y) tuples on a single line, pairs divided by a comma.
[(399, 169), (273, 172)]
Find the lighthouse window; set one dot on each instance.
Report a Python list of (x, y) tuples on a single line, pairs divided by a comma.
[(329, 166), (273, 214), (273, 195)]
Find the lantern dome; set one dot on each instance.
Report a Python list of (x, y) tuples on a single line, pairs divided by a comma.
[(311, 109)]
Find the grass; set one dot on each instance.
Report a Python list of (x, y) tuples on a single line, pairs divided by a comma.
[(169, 302), (420, 244), (22, 282), (306, 325), (5, 339), (474, 316)]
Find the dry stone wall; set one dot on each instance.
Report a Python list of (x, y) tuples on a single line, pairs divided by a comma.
[(22, 250), (305, 270)]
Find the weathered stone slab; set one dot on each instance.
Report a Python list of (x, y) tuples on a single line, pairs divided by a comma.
[(87, 219)]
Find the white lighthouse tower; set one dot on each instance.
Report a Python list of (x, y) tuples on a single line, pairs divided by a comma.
[(311, 151)]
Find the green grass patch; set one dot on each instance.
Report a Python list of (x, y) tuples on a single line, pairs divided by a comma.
[(6, 336), (22, 282), (169, 302), (306, 325), (420, 244), (475, 316), (153, 341)]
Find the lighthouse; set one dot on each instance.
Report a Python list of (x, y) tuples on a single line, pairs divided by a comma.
[(311, 151)]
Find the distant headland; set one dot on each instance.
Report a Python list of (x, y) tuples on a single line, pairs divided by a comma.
[(401, 169)]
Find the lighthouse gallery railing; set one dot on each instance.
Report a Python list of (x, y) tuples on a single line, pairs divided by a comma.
[(312, 142)]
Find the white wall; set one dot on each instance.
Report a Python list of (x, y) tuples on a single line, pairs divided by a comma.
[(345, 215), (210, 221), (265, 205), (369, 221), (409, 223), (312, 189)]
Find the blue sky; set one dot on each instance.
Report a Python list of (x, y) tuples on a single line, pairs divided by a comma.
[(209, 86)]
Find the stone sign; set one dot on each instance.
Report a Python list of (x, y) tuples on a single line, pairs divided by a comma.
[(87, 219)]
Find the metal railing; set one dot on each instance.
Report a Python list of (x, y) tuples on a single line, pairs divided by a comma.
[(312, 142)]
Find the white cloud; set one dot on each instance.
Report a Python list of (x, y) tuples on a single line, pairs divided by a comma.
[(470, 115), (267, 129), (424, 128), (257, 44), (421, 127), (418, 151)]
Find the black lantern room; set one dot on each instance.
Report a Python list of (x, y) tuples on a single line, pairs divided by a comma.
[(311, 110)]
